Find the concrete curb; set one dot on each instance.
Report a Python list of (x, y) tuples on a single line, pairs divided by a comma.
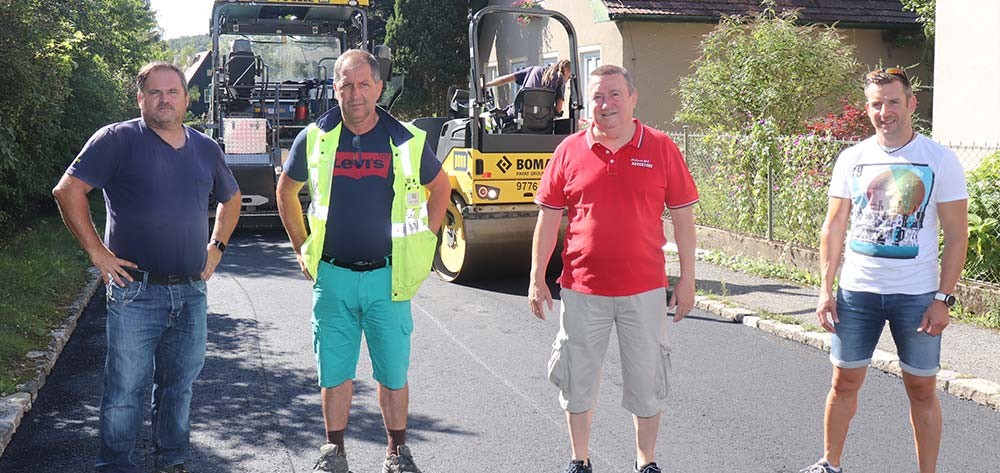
[(14, 406), (979, 390)]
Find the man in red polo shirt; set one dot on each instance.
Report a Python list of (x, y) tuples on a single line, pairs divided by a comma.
[(614, 181)]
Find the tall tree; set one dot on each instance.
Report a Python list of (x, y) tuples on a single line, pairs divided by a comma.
[(430, 45)]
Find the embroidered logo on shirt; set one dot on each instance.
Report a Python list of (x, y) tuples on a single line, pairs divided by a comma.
[(642, 163), (358, 165)]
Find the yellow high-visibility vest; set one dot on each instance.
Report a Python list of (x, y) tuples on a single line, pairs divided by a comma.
[(413, 243)]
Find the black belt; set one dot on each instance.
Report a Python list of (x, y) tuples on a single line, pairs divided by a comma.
[(360, 265), (160, 279)]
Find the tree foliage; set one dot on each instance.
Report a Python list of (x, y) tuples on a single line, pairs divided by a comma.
[(765, 65), (430, 46), (67, 68), (925, 10)]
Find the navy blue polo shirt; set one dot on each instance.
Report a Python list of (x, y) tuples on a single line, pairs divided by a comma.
[(156, 196), (359, 222)]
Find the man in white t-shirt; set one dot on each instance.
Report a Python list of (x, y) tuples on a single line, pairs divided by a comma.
[(894, 188)]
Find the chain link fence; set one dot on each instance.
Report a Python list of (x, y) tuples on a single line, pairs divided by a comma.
[(788, 200)]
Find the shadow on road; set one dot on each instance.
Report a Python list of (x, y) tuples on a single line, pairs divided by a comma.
[(250, 400)]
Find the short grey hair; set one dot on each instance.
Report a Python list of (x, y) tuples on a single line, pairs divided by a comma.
[(143, 75), (351, 54), (610, 70)]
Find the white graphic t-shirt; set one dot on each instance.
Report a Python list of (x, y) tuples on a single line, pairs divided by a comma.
[(892, 244)]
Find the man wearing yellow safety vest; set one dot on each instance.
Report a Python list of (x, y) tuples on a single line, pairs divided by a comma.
[(371, 241)]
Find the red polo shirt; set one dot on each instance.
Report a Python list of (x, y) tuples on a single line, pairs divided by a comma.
[(615, 202)]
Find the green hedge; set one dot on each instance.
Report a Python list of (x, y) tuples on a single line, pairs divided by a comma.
[(67, 69), (732, 176)]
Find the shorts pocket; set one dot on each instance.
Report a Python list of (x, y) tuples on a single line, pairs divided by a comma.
[(122, 295), (663, 373), (558, 367), (407, 323)]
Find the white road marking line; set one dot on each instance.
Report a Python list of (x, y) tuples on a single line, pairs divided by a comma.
[(594, 453)]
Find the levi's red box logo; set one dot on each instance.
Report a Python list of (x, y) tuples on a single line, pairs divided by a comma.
[(358, 165)]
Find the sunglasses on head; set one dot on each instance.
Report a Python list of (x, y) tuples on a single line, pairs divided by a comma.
[(893, 71)]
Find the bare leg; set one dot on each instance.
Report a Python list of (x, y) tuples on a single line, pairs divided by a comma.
[(646, 429), (395, 405), (841, 404), (337, 405), (579, 433), (925, 415)]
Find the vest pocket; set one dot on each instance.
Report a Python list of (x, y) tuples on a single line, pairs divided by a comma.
[(412, 257)]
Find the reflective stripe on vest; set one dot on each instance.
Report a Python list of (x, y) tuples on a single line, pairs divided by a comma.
[(413, 244)]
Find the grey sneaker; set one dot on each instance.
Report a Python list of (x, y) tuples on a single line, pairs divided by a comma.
[(331, 460), (402, 462), (178, 468), (820, 467), (579, 466), (648, 468)]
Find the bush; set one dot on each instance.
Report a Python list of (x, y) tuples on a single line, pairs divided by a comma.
[(851, 123), (983, 259), (766, 65)]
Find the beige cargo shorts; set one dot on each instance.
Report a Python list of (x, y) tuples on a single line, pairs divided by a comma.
[(585, 323)]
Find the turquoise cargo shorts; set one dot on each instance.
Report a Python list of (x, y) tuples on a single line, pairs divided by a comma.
[(348, 303)]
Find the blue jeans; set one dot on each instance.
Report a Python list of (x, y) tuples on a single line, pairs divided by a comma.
[(862, 318), (152, 330)]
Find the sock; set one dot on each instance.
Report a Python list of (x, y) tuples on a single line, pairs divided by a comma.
[(836, 469), (336, 437), (396, 438)]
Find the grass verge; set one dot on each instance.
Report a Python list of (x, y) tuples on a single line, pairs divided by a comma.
[(790, 320), (989, 319), (762, 268), (42, 271)]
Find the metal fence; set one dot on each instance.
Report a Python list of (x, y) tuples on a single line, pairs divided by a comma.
[(788, 203)]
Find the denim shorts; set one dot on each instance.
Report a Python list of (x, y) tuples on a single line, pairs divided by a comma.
[(863, 315), (348, 303)]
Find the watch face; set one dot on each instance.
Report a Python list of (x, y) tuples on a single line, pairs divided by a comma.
[(950, 300)]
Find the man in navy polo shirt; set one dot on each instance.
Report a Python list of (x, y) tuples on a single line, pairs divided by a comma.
[(614, 181), (156, 175)]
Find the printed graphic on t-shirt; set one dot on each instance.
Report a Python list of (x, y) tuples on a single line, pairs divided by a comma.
[(889, 205), (357, 165)]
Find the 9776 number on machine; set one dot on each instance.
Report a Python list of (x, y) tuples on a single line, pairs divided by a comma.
[(531, 186)]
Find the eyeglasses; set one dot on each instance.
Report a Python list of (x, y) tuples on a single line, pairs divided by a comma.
[(893, 71)]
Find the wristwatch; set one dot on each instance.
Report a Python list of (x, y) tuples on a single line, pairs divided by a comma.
[(218, 244), (948, 299)]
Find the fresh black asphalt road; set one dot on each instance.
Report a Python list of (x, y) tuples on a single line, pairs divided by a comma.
[(741, 400)]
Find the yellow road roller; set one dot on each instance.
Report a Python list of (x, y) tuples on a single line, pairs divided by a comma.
[(495, 157)]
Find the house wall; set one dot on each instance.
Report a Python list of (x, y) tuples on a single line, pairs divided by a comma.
[(658, 55), (873, 49), (967, 72)]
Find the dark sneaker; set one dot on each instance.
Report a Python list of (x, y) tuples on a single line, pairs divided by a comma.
[(331, 460), (178, 468), (402, 462), (578, 466), (648, 468), (820, 467)]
